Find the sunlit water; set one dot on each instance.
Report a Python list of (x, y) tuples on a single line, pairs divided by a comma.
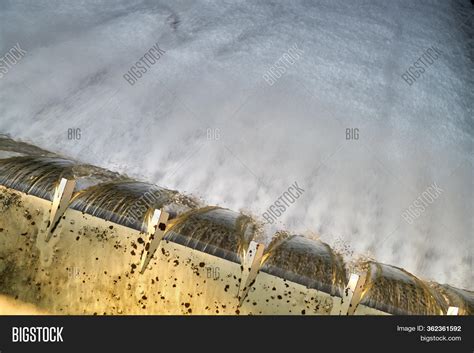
[(203, 120)]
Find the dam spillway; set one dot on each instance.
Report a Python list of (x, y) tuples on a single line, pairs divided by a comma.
[(78, 239)]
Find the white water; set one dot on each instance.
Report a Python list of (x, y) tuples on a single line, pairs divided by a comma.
[(211, 77)]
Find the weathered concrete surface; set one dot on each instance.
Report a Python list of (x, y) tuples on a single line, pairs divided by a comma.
[(90, 266)]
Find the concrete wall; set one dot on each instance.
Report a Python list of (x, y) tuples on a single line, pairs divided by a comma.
[(91, 266)]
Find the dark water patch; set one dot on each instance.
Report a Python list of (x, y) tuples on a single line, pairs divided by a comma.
[(128, 203), (311, 263), (451, 296), (396, 291), (34, 175), (213, 230), (8, 145)]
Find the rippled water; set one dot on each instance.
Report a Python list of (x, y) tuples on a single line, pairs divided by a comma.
[(226, 234), (203, 120)]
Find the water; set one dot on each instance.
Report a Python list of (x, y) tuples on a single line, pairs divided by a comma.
[(307, 262), (98, 192), (393, 290), (216, 231), (462, 299), (268, 136), (128, 203), (227, 234), (37, 176)]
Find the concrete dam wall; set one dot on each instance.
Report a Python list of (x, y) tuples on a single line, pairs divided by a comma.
[(77, 239)]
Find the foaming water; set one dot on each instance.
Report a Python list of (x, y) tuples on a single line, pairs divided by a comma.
[(219, 232), (122, 202), (34, 175), (394, 290), (209, 84), (311, 263)]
